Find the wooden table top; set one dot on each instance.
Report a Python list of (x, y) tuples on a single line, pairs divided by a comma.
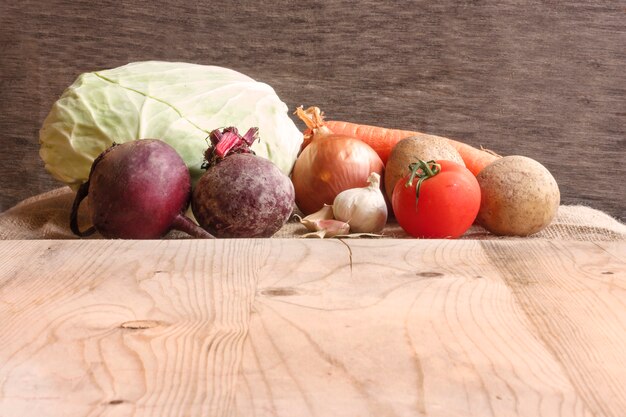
[(294, 327)]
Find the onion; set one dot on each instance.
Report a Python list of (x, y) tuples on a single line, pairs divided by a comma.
[(329, 164)]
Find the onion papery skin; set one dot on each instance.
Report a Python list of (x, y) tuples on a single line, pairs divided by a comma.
[(329, 165)]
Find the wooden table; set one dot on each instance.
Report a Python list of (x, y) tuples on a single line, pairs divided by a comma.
[(312, 328)]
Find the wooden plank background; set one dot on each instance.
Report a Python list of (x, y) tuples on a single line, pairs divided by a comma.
[(542, 79), (262, 327)]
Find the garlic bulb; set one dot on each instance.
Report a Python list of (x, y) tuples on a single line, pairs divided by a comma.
[(364, 209)]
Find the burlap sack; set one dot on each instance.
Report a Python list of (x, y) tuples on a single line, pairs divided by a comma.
[(46, 216)]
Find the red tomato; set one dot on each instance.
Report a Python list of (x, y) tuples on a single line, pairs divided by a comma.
[(447, 205)]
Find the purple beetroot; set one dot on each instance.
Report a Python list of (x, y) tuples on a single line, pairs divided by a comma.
[(241, 195), (137, 190)]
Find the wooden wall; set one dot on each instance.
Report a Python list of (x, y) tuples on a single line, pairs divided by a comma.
[(542, 79)]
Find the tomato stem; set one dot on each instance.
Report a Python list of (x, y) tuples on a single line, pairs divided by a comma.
[(422, 170)]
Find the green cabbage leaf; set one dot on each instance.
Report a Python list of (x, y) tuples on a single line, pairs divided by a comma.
[(179, 103)]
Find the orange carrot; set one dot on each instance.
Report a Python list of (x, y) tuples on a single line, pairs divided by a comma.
[(382, 140)]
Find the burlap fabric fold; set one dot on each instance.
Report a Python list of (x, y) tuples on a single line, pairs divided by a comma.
[(46, 216)]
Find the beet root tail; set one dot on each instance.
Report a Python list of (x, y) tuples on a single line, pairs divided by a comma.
[(184, 224), (82, 192)]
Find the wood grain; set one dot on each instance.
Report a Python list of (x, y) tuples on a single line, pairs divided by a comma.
[(559, 292), (312, 328), (108, 329), (540, 79), (439, 330)]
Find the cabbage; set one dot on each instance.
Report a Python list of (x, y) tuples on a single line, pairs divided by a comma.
[(179, 103)]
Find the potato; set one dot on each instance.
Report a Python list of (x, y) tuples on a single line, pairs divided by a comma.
[(408, 150), (519, 196)]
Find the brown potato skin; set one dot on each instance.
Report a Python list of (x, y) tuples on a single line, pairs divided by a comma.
[(519, 196), (411, 149)]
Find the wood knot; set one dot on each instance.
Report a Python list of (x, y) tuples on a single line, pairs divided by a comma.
[(279, 291), (140, 324), (429, 274)]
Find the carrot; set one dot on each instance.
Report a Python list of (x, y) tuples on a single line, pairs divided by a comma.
[(382, 140)]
